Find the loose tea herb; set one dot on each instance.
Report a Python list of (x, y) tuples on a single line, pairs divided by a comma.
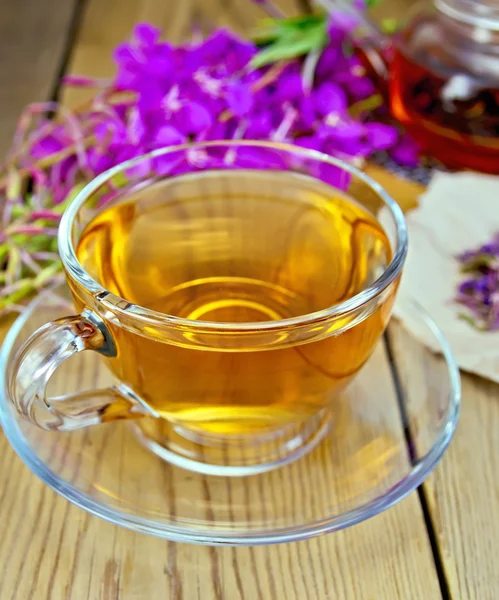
[(479, 292)]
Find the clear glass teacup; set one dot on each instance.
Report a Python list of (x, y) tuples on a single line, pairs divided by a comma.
[(234, 289)]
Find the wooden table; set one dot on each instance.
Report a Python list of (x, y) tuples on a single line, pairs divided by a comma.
[(440, 542)]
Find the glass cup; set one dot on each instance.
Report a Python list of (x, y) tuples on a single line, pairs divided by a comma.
[(234, 289)]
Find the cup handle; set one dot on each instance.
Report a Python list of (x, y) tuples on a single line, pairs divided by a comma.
[(39, 357)]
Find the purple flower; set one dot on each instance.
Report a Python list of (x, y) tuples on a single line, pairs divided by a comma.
[(259, 126), (217, 131), (168, 136), (328, 61), (310, 142), (146, 34), (341, 23), (344, 131), (290, 88), (241, 53), (359, 5), (381, 136), (142, 58), (257, 158), (228, 52), (192, 118), (330, 98), (479, 292), (216, 46), (360, 87), (239, 99), (99, 161), (62, 178), (47, 145), (169, 165), (142, 168), (334, 176), (406, 152), (306, 114)]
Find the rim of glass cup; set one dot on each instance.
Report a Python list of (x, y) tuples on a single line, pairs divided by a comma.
[(125, 307), (417, 473)]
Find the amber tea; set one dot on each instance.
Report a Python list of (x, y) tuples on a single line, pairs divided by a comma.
[(239, 247)]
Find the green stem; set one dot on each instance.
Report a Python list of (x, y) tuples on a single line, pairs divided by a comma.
[(367, 105)]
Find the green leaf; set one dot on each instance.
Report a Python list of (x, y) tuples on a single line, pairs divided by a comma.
[(268, 31), (261, 37), (31, 243), (13, 264), (19, 210), (20, 293), (274, 29), (4, 252), (292, 45), (119, 180), (372, 3), (46, 274), (367, 105), (302, 21), (471, 321), (13, 190)]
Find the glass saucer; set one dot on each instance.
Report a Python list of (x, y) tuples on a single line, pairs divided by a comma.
[(386, 436)]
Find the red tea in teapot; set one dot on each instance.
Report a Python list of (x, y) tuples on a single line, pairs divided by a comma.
[(444, 88)]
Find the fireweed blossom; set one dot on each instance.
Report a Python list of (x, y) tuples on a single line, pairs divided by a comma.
[(165, 95)]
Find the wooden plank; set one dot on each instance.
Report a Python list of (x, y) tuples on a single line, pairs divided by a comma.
[(404, 191), (33, 37), (463, 493)]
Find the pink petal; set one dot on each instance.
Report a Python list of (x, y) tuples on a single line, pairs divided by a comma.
[(347, 131), (168, 136), (146, 34), (406, 152), (124, 55), (330, 98), (46, 146), (310, 142), (334, 176), (289, 87), (239, 99), (381, 136), (141, 169), (193, 118)]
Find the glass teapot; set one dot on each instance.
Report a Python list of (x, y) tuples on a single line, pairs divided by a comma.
[(442, 75)]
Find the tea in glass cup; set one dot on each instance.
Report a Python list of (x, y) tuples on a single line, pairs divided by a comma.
[(234, 288)]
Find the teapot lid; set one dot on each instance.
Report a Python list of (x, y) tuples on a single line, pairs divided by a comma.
[(479, 13)]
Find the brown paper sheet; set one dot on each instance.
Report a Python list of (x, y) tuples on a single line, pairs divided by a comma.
[(458, 212)]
